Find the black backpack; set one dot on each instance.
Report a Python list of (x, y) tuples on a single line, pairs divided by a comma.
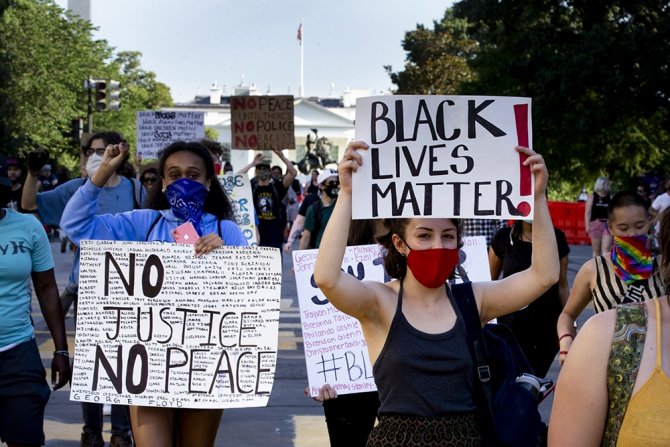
[(508, 410)]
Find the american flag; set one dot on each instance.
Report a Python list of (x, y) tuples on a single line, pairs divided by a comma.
[(299, 36)]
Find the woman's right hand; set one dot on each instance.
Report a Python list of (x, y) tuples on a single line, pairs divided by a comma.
[(349, 164)]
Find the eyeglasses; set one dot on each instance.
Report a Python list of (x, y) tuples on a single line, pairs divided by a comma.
[(99, 152), (331, 183), (149, 180)]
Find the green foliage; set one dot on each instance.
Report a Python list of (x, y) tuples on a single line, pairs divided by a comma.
[(211, 134), (46, 54), (437, 59), (597, 73)]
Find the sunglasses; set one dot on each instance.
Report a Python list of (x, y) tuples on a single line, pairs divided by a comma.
[(149, 180), (99, 152)]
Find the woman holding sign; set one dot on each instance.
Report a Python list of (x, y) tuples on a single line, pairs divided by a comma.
[(415, 318), (190, 193)]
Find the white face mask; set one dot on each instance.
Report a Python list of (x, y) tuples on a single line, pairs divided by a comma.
[(93, 164)]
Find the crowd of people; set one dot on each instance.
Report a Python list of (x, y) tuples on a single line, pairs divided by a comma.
[(413, 330)]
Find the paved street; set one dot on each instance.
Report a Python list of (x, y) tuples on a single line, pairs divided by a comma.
[(290, 419)]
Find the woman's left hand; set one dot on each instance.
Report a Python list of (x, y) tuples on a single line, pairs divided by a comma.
[(60, 371), (207, 243)]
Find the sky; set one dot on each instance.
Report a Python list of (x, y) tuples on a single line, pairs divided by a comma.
[(190, 44)]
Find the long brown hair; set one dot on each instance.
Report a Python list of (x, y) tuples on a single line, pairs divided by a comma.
[(395, 263)]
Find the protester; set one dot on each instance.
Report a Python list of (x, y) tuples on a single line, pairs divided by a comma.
[(422, 365), (216, 151), (24, 391), (319, 213), (312, 187), (228, 168), (190, 192), (613, 388), (47, 179), (533, 326), (119, 194), (595, 216), (14, 173), (149, 179), (295, 232), (628, 274), (268, 195), (660, 204)]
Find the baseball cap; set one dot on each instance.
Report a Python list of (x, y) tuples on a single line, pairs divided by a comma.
[(12, 162), (325, 175), (46, 167)]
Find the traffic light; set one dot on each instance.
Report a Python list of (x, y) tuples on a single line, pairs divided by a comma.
[(100, 89), (114, 95)]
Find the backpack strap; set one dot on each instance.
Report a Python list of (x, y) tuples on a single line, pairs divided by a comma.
[(316, 209), (467, 305), (153, 224)]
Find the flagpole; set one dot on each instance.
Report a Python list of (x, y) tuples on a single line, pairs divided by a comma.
[(301, 91)]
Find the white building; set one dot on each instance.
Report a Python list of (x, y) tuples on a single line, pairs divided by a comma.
[(332, 117)]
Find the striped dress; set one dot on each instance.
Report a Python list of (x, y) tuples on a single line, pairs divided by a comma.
[(610, 290)]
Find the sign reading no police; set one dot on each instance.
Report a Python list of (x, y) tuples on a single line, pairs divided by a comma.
[(262, 122)]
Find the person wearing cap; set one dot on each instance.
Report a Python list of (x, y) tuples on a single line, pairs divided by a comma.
[(48, 179), (14, 172), (268, 195), (319, 213), (24, 391), (118, 195)]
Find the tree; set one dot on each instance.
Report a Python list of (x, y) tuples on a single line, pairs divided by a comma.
[(437, 60), (45, 55), (596, 70)]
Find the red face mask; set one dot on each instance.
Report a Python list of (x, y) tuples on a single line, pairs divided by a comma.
[(217, 167), (432, 267)]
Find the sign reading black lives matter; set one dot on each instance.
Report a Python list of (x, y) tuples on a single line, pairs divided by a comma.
[(157, 129), (157, 326), (443, 156)]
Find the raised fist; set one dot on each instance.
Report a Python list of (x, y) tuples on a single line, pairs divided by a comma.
[(37, 159)]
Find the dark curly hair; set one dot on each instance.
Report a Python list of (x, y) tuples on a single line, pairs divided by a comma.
[(395, 263), (111, 137), (216, 202)]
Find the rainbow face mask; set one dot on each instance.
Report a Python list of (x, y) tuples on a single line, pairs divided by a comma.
[(632, 258)]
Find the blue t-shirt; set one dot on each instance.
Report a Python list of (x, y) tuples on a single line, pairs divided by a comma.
[(24, 248), (115, 199)]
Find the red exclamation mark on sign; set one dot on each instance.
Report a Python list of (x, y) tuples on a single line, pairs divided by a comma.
[(525, 185)]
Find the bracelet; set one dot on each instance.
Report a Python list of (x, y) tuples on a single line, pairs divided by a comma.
[(562, 353), (63, 352), (565, 335)]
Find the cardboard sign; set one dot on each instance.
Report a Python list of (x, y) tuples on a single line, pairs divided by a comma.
[(238, 188), (157, 326), (262, 122), (335, 349), (473, 260), (156, 130), (443, 156)]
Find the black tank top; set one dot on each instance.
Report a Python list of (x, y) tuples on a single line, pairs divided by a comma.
[(423, 374), (599, 207)]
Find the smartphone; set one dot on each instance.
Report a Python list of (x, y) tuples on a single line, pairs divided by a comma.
[(185, 234)]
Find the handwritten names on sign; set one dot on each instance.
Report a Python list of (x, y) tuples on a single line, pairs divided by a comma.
[(157, 129), (335, 349), (157, 326), (238, 188), (262, 122), (443, 156)]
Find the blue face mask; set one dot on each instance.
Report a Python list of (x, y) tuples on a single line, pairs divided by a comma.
[(187, 200)]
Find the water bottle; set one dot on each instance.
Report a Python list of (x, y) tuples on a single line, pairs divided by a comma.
[(531, 383)]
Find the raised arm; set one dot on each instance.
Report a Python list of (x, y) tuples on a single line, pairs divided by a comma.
[(577, 300), (257, 159), (290, 169), (36, 159), (496, 298), (345, 292)]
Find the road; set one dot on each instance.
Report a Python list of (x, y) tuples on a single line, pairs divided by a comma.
[(290, 419)]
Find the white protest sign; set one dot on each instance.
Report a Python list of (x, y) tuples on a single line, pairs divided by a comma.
[(157, 326), (238, 188), (156, 130), (335, 349), (443, 156), (473, 260)]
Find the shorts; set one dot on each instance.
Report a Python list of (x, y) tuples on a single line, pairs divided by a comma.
[(597, 228), (409, 431), (24, 394)]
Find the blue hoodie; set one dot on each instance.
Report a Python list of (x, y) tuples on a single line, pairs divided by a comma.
[(81, 222)]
